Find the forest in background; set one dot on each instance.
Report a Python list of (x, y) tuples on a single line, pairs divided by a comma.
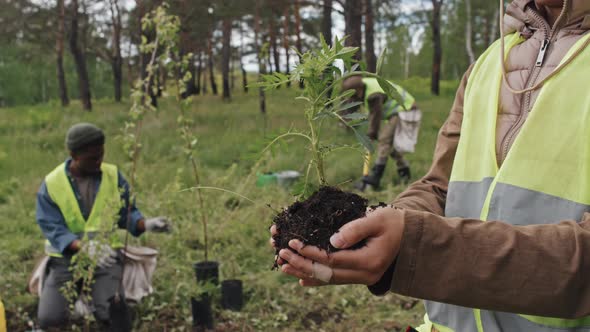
[(59, 50)]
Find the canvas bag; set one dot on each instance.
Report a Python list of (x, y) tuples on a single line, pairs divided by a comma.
[(405, 136)]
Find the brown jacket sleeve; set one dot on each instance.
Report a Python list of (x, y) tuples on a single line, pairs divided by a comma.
[(430, 193), (538, 269)]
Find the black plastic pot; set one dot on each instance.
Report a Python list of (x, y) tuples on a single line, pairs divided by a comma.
[(202, 313), (120, 314), (207, 272), (231, 294)]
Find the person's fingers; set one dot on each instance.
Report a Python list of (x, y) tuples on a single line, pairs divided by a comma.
[(292, 271), (346, 259), (342, 277), (273, 230), (298, 262), (357, 230)]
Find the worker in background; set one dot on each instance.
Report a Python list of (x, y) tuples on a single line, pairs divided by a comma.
[(394, 125), (496, 235), (79, 203)]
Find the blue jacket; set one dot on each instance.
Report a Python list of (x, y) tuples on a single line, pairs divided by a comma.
[(53, 224)]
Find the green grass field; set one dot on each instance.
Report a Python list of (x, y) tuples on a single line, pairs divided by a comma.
[(231, 136)]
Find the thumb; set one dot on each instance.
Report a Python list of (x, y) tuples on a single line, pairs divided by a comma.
[(355, 231)]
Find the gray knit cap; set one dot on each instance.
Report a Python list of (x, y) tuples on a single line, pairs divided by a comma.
[(82, 135)]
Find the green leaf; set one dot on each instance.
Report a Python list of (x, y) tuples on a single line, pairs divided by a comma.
[(364, 140), (380, 61), (355, 116), (391, 91)]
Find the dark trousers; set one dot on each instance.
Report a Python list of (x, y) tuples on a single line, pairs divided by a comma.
[(53, 306)]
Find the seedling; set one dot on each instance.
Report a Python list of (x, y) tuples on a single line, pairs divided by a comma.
[(314, 220)]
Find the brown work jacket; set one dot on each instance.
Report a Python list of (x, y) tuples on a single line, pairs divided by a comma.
[(542, 269)]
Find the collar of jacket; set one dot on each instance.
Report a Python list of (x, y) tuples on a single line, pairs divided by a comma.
[(517, 18)]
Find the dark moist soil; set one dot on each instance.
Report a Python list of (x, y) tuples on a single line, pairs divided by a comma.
[(316, 219)]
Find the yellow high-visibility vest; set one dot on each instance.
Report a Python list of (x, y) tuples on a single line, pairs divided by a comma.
[(2, 318), (544, 179), (391, 105), (104, 212)]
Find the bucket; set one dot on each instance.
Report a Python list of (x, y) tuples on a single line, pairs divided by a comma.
[(287, 178)]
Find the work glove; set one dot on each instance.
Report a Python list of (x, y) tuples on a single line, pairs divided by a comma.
[(101, 253), (157, 225)]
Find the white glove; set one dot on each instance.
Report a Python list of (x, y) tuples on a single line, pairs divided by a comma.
[(101, 253), (157, 225)]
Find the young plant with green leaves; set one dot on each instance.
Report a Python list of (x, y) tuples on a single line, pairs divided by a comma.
[(324, 99), (84, 264)]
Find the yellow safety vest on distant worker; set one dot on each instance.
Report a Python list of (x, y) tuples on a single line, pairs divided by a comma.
[(391, 106), (2, 318), (544, 179), (104, 211)]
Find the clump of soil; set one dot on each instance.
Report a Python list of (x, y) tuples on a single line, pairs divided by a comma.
[(316, 219)]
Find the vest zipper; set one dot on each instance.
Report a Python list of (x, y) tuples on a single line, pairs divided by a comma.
[(525, 108)]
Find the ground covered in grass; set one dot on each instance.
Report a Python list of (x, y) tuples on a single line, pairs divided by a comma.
[(230, 138)]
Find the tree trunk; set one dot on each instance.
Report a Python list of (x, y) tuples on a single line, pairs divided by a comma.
[(273, 42), (116, 58), (204, 87), (244, 74), (80, 60), (260, 57), (327, 22), (298, 45), (286, 20), (436, 42), (353, 16), (59, 50), (468, 32), (226, 57), (198, 73), (370, 37), (494, 29), (210, 58)]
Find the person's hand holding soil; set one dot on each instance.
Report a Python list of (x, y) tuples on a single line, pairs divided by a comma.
[(382, 231)]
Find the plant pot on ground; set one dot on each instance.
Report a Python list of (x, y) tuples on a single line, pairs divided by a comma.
[(207, 274), (202, 312), (231, 294)]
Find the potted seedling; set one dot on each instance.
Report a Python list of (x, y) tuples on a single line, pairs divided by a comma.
[(206, 271), (314, 218)]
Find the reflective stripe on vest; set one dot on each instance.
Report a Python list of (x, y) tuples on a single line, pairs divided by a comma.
[(544, 179), (391, 106), (104, 211)]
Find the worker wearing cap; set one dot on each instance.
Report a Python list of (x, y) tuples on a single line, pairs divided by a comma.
[(80, 202), (383, 114)]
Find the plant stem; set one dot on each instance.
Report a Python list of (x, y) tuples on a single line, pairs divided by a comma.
[(317, 154), (195, 169)]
